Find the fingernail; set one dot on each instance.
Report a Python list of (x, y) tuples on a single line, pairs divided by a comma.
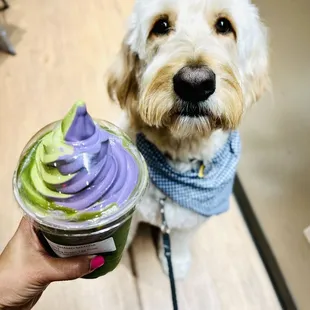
[(96, 262)]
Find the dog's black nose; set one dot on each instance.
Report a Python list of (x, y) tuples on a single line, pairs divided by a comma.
[(194, 83)]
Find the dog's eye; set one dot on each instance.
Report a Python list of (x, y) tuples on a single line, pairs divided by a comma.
[(161, 27), (223, 26)]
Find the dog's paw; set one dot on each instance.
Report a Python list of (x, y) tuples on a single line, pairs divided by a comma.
[(181, 264)]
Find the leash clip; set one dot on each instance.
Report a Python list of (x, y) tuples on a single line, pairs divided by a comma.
[(164, 226)]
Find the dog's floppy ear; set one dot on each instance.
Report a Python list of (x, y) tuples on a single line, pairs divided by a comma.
[(256, 79), (122, 78)]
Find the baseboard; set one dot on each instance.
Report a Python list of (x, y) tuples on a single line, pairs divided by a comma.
[(284, 295)]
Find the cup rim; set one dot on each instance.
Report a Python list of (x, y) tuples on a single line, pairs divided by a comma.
[(89, 224)]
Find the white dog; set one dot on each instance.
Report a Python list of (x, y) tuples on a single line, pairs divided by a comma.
[(187, 72)]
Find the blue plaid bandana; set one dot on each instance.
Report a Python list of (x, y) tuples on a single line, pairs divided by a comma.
[(205, 191)]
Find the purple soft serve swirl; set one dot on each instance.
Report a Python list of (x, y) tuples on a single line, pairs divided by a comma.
[(104, 172)]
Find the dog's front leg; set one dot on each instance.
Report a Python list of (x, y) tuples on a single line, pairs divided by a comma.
[(180, 252)]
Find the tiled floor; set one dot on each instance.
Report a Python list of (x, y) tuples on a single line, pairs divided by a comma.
[(63, 50)]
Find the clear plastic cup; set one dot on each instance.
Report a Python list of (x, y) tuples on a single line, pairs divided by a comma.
[(104, 235)]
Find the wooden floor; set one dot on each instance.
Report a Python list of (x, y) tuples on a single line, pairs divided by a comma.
[(63, 51)]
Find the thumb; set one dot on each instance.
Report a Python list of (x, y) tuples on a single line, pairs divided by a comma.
[(62, 269)]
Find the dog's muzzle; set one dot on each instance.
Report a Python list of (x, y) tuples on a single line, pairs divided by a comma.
[(193, 85)]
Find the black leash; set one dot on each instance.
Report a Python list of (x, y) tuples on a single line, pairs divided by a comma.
[(167, 249)]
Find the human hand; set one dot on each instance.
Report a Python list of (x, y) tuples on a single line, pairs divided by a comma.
[(26, 269)]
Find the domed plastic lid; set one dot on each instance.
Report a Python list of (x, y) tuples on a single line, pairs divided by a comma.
[(79, 173)]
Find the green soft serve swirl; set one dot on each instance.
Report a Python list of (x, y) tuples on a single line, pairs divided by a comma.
[(78, 170)]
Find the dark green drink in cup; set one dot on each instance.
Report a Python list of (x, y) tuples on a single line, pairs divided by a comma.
[(80, 180)]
